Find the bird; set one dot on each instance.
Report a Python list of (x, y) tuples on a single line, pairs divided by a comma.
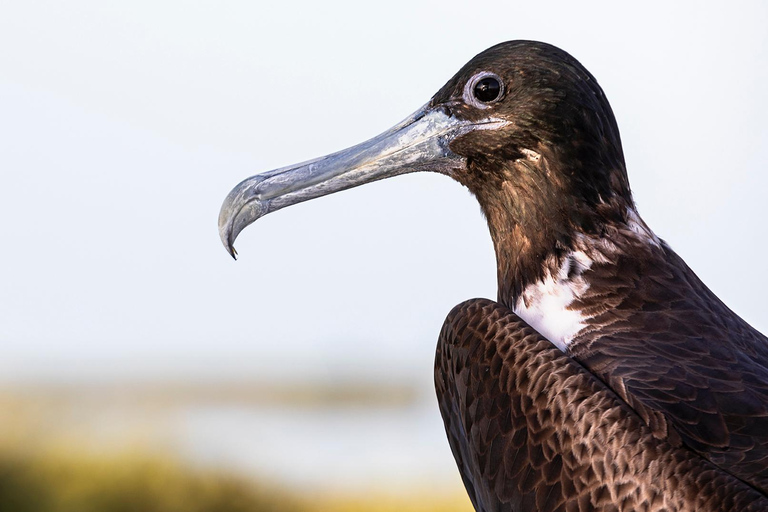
[(605, 375)]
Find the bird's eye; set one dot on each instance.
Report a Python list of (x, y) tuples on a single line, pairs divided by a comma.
[(483, 89), (487, 89)]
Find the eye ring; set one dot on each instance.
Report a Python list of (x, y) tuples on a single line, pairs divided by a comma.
[(484, 89)]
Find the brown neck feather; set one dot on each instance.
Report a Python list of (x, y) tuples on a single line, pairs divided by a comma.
[(534, 217)]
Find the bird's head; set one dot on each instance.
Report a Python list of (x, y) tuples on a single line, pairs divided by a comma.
[(523, 125)]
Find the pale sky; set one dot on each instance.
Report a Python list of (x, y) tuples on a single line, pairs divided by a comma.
[(123, 125)]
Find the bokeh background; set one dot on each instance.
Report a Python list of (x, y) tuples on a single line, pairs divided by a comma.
[(142, 369)]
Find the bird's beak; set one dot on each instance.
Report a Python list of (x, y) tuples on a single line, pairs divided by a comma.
[(419, 143)]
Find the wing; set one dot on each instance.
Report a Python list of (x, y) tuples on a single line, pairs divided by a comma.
[(690, 366), (531, 429)]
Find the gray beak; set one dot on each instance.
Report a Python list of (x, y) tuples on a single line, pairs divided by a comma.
[(419, 143)]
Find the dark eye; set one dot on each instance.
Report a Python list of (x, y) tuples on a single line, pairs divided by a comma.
[(483, 89), (487, 89)]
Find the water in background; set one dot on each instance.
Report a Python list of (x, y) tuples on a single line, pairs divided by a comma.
[(349, 437), (331, 447)]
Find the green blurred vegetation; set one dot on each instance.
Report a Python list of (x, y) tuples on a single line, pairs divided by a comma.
[(59, 482), (43, 470), (78, 482)]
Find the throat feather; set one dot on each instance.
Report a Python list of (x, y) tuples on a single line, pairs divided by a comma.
[(546, 304)]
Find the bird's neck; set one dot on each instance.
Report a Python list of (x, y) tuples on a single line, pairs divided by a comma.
[(553, 215), (545, 285)]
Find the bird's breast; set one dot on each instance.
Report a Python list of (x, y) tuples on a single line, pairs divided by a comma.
[(548, 304)]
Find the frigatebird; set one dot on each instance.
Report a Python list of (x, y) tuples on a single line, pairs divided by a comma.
[(606, 376)]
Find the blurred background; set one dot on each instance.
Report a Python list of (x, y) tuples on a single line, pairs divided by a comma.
[(142, 369)]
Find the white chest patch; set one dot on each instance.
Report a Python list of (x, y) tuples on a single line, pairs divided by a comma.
[(545, 305)]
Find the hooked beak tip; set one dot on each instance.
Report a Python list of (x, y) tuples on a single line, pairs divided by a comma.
[(227, 235)]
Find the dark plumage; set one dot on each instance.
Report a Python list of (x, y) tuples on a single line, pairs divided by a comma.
[(531, 429), (607, 376)]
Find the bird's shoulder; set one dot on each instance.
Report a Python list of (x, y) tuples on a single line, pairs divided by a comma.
[(682, 359)]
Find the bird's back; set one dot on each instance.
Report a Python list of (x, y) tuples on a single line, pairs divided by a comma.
[(695, 371)]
